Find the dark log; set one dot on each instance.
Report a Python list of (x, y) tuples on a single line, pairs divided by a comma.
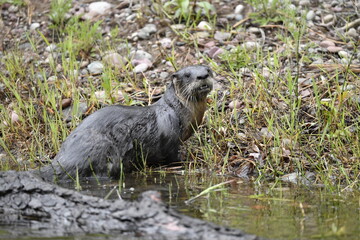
[(27, 202)]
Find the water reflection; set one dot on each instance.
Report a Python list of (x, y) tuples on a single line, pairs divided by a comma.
[(280, 211)]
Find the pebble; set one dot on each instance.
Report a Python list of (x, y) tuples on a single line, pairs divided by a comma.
[(239, 17), (352, 33), (52, 79), (34, 26), (164, 75), (68, 112), (52, 47), (178, 26), (343, 54), (14, 117), (97, 9), (65, 103), (239, 9), (222, 36), (328, 18), (13, 9), (250, 45), (101, 95), (310, 15), (326, 43), (142, 67), (145, 32), (214, 52), (304, 3), (201, 35), (203, 25), (115, 60), (95, 67), (166, 43), (235, 104), (254, 30), (334, 49), (140, 54)]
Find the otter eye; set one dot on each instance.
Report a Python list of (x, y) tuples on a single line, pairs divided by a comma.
[(205, 76), (187, 75)]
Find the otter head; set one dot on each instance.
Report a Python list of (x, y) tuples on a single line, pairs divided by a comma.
[(193, 83)]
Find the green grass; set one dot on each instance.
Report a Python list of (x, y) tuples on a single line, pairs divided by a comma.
[(280, 125)]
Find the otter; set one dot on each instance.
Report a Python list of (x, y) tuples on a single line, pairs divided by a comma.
[(123, 138)]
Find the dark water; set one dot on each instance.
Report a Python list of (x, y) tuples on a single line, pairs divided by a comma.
[(277, 211)]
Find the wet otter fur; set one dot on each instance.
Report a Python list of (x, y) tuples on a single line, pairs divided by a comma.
[(122, 138)]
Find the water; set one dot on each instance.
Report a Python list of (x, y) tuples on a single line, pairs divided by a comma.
[(277, 211)]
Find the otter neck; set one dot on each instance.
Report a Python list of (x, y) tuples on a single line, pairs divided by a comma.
[(190, 113)]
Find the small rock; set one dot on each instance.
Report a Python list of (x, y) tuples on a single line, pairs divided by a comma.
[(350, 87), (80, 111), (304, 3), (52, 79), (115, 60), (166, 43), (328, 18), (140, 54), (222, 36), (352, 33), (201, 35), (203, 25), (343, 54), (254, 30), (239, 9), (310, 15), (250, 45), (101, 96), (142, 67), (97, 9), (146, 31), (164, 75), (326, 43), (52, 47), (334, 49), (65, 103), (95, 67), (239, 17), (235, 104), (266, 133), (14, 117), (34, 26), (13, 9), (178, 26), (214, 52)]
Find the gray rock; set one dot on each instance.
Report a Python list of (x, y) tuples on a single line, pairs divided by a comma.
[(114, 59), (304, 3), (95, 67), (140, 54), (34, 26), (239, 17), (203, 25), (97, 9), (164, 75), (52, 47), (352, 33), (222, 36), (310, 15), (142, 67), (344, 54), (239, 9), (146, 31), (250, 45), (328, 18), (69, 113), (166, 43)]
